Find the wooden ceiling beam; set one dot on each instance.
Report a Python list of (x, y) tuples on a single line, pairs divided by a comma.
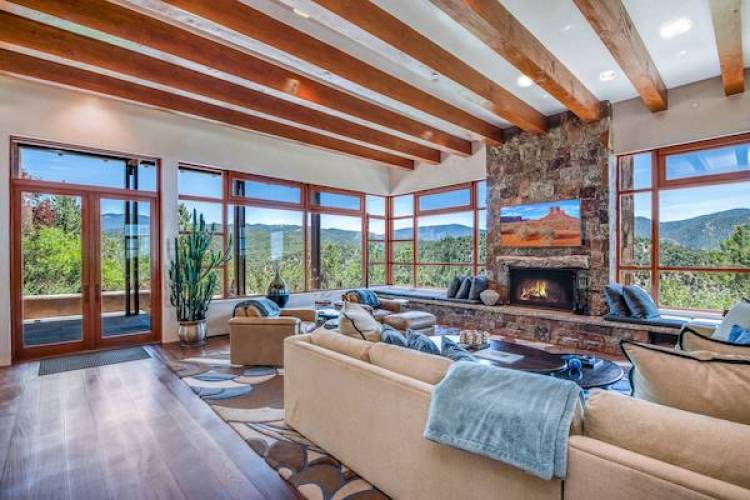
[(28, 66), (401, 36), (494, 25), (243, 19), (728, 31), (127, 24), (48, 39), (614, 26)]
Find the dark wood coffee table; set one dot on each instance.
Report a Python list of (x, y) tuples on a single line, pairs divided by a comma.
[(604, 375), (533, 360)]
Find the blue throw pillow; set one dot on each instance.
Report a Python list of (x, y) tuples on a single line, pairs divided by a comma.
[(263, 308), (640, 303), (420, 342), (739, 335), (455, 352), (613, 294), (463, 290), (453, 286), (390, 336), (478, 285)]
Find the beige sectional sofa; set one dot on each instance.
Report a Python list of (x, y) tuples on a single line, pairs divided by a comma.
[(367, 405)]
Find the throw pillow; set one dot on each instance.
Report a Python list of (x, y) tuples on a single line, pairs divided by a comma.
[(738, 315), (453, 286), (464, 289), (717, 385), (261, 308), (640, 304), (392, 336), (356, 321), (421, 343), (692, 340), (478, 285), (455, 352), (739, 335), (363, 296), (613, 294)]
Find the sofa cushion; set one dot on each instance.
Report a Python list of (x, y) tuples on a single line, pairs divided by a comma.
[(702, 444), (410, 320), (738, 315), (613, 294), (421, 342), (639, 301), (419, 365), (356, 321), (381, 314), (334, 341), (454, 285), (258, 308), (392, 336), (692, 340), (464, 289), (703, 382)]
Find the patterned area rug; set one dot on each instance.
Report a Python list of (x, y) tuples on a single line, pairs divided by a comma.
[(251, 400)]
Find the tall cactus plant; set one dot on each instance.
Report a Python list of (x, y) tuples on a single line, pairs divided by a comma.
[(192, 272)]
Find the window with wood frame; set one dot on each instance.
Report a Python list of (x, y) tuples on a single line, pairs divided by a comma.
[(684, 223)]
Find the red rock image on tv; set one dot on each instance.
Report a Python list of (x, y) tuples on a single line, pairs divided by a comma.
[(548, 224)]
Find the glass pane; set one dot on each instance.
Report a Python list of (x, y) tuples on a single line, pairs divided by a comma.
[(376, 229), (707, 226), (335, 251), (232, 238), (403, 205), (403, 275), (125, 267), (271, 237), (211, 214), (445, 238), (633, 277), (635, 229), (482, 249), (376, 274), (702, 290), (376, 251), (52, 262), (199, 183), (336, 200), (267, 191), (439, 276), (716, 161), (402, 251), (448, 199), (403, 229), (375, 205), (482, 194), (635, 171), (56, 165)]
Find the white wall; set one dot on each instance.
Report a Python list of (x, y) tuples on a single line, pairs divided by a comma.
[(453, 170), (696, 111), (42, 111)]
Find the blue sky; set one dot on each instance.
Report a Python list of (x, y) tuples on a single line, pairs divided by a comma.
[(687, 203), (538, 210)]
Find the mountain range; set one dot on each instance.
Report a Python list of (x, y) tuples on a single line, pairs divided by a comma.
[(704, 232)]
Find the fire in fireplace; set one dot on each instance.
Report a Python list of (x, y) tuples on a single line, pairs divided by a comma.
[(553, 288)]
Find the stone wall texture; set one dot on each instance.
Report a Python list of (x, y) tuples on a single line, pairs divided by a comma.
[(570, 161)]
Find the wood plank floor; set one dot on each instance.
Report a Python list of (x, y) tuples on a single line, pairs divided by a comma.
[(131, 430)]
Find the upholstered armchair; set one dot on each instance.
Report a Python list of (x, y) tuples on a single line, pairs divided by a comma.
[(379, 307), (257, 340)]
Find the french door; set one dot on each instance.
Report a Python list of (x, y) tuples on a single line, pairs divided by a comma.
[(86, 269)]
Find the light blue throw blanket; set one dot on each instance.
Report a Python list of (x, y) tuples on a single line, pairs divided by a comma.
[(519, 418)]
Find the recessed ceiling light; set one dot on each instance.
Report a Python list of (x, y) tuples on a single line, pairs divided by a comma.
[(300, 13), (676, 27), (524, 81), (434, 76), (682, 53), (567, 27), (607, 76)]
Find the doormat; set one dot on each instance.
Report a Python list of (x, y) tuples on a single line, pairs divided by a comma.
[(90, 360)]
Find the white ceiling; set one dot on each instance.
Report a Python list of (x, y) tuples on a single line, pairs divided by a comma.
[(558, 24)]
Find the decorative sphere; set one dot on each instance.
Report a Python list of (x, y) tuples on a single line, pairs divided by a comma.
[(574, 364)]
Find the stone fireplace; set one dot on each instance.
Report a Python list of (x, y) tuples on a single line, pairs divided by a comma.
[(548, 288)]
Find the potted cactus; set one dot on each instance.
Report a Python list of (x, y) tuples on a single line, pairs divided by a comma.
[(193, 279)]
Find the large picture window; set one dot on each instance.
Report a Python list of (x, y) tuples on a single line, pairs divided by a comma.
[(684, 223)]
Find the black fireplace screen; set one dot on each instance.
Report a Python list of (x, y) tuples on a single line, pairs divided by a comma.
[(554, 288)]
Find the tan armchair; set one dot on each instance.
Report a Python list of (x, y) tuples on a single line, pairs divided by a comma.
[(387, 306), (259, 341)]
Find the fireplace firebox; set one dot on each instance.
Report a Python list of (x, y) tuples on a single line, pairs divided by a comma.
[(548, 288)]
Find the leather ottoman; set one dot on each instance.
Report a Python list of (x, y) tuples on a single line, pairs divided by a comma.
[(420, 321)]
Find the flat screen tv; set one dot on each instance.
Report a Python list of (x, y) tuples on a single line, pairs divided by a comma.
[(547, 224)]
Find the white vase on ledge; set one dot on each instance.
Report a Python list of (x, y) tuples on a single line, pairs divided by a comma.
[(489, 297)]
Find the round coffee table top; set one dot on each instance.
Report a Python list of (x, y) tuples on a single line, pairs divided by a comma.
[(604, 374)]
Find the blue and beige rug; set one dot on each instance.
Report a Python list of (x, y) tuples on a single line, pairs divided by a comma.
[(251, 401)]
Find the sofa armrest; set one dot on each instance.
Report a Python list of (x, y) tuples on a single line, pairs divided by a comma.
[(706, 445), (393, 305), (281, 321), (701, 328), (302, 314)]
